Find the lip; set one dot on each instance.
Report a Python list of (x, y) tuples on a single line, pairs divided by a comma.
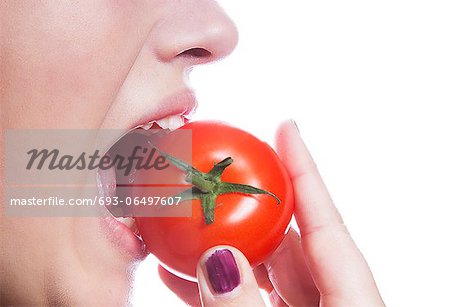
[(123, 238), (180, 103), (116, 232)]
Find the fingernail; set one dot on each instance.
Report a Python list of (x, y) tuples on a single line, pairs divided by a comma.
[(223, 272), (295, 124)]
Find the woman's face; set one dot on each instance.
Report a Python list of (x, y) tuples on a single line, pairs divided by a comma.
[(92, 64)]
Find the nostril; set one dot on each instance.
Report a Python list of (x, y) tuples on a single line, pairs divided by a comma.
[(196, 53)]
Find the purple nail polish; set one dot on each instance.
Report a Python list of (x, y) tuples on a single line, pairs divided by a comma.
[(223, 273)]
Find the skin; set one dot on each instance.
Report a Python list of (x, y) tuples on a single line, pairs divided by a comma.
[(322, 267), (102, 64), (89, 64)]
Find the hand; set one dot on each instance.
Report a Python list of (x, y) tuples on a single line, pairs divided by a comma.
[(323, 267)]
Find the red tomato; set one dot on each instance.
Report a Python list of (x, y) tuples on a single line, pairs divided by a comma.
[(255, 224)]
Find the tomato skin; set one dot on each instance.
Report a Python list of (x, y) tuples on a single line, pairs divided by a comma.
[(255, 224)]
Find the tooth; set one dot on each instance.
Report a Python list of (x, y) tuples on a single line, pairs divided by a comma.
[(171, 122), (127, 221), (148, 125), (189, 115)]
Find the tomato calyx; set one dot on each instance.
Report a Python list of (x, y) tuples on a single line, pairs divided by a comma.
[(207, 186)]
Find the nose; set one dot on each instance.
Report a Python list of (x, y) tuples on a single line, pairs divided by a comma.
[(194, 32)]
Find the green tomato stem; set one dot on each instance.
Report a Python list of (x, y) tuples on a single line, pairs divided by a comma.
[(207, 186)]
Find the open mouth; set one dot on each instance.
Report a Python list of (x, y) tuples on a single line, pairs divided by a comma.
[(112, 185)]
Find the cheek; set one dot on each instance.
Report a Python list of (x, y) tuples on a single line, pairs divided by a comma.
[(70, 59)]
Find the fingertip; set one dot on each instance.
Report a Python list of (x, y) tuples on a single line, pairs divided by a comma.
[(184, 289), (219, 270), (225, 277), (286, 128), (292, 150)]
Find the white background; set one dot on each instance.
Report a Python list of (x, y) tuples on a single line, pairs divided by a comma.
[(368, 83)]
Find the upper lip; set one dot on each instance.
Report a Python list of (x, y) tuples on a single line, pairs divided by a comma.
[(181, 103)]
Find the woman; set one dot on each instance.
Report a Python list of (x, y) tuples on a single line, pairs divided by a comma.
[(116, 64)]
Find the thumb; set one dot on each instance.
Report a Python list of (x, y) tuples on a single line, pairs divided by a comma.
[(225, 278)]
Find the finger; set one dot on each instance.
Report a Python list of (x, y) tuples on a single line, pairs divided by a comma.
[(225, 278), (290, 275), (262, 278), (277, 301), (336, 265), (314, 207), (184, 289)]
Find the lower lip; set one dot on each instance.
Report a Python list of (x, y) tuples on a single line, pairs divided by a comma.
[(118, 233), (123, 238)]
